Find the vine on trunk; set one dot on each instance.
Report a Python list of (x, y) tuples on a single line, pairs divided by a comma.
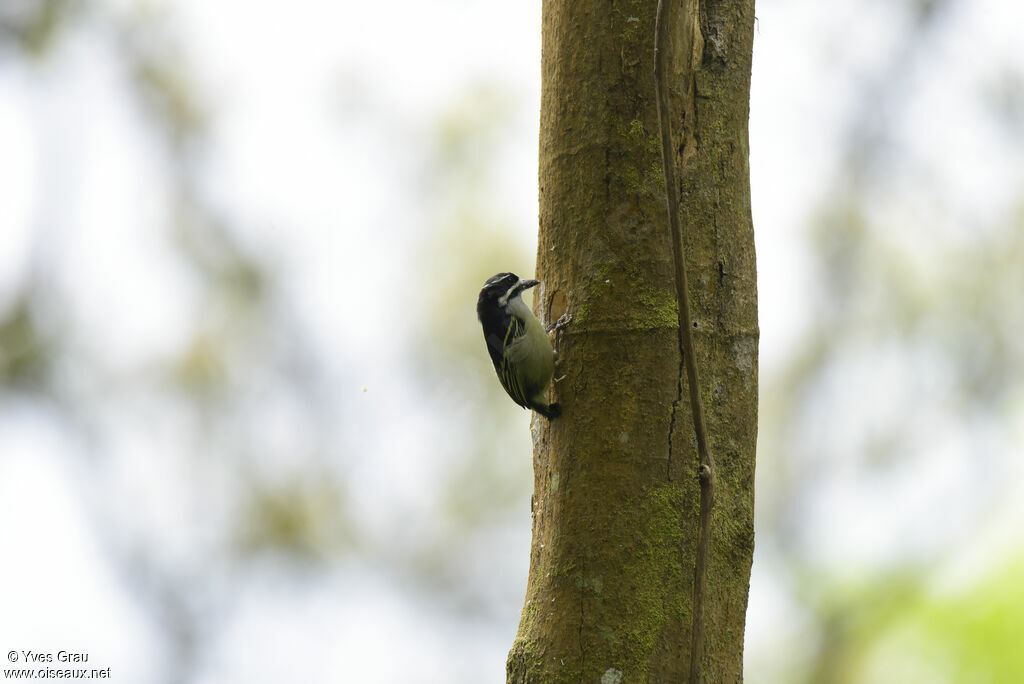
[(706, 469)]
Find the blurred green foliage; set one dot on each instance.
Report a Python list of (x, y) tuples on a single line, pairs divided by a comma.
[(34, 25), (913, 338), (303, 518), (24, 352), (970, 635), (202, 400)]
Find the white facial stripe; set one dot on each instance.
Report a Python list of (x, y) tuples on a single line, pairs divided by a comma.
[(503, 300)]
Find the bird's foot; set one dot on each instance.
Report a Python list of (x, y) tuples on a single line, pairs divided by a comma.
[(563, 321)]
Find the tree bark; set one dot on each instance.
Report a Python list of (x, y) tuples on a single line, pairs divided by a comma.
[(616, 493)]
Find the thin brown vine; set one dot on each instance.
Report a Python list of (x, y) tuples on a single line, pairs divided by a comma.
[(706, 468)]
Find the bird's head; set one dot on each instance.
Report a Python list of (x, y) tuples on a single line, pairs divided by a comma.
[(502, 288)]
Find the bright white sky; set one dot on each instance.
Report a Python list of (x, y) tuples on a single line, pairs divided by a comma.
[(71, 145)]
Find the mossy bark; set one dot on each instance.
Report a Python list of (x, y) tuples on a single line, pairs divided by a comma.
[(616, 495)]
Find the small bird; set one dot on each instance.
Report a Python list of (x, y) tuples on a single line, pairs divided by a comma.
[(518, 343)]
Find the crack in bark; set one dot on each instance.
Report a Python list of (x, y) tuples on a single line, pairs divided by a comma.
[(672, 418)]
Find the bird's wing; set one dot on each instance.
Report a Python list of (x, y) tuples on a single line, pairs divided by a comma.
[(510, 377)]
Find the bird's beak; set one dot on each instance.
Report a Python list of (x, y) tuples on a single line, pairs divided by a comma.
[(523, 285)]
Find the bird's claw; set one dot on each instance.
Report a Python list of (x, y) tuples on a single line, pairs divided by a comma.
[(563, 321)]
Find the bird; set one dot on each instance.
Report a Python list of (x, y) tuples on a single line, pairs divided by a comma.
[(517, 342)]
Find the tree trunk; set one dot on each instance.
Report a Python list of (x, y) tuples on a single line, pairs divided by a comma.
[(616, 493)]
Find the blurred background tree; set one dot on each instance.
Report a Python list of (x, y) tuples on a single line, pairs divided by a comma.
[(891, 432), (244, 406)]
